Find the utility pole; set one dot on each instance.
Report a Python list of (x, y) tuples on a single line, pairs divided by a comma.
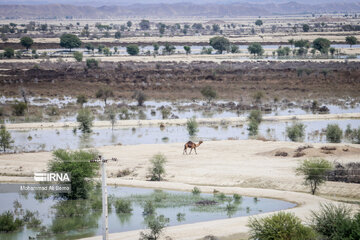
[(105, 227)]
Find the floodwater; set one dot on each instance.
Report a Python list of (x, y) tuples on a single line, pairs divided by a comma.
[(51, 139), (50, 209)]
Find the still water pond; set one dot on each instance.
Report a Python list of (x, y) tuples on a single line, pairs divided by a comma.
[(50, 139), (179, 207)]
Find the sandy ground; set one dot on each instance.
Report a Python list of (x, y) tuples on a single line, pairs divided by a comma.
[(135, 123), (247, 167)]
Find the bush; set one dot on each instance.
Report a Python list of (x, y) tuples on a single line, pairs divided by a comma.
[(333, 133), (149, 208), (78, 56), (196, 191), (314, 171), (19, 108), (256, 116), (132, 49), (336, 222), (280, 226), (157, 170), (81, 170), (85, 118), (123, 206), (209, 93), (296, 132), (104, 93), (165, 112), (9, 52), (5, 138), (192, 126), (156, 224), (8, 223), (92, 63)]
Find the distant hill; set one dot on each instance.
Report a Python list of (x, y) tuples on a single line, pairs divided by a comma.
[(172, 10)]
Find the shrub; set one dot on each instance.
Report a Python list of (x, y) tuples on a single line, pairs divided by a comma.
[(92, 63), (5, 138), (157, 170), (112, 117), (333, 133), (85, 120), (19, 108), (9, 52), (196, 191), (78, 56), (104, 93), (236, 197), (296, 132), (209, 93), (8, 223), (314, 171), (258, 96), (156, 224), (81, 170), (149, 208), (280, 226), (165, 112), (192, 126), (336, 222), (123, 206), (187, 49), (256, 116)]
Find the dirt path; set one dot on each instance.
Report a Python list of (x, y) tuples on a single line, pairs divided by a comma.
[(137, 123), (247, 167)]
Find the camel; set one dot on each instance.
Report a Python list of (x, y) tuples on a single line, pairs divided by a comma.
[(192, 146)]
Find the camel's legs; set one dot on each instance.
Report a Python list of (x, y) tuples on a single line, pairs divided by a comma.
[(190, 150), (185, 151), (195, 150)]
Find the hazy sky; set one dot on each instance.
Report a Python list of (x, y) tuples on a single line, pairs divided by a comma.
[(112, 2)]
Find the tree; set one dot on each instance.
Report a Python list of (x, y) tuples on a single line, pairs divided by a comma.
[(118, 35), (322, 45), (132, 49), (187, 49), (92, 63), (156, 224), (254, 118), (112, 117), (26, 42), (85, 120), (314, 171), (256, 49), (5, 138), (215, 27), (209, 93), (104, 93), (333, 133), (220, 43), (306, 27), (296, 132), (144, 24), (351, 40), (69, 41), (259, 22), (302, 43), (192, 126), (280, 226), (81, 99), (9, 52), (140, 97), (129, 24), (81, 169), (157, 169), (169, 49), (78, 56), (234, 48), (332, 51)]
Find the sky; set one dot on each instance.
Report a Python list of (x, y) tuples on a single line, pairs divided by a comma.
[(127, 2)]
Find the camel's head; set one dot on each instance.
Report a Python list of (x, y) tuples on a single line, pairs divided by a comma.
[(200, 142)]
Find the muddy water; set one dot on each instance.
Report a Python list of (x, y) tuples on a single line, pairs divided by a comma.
[(50, 139)]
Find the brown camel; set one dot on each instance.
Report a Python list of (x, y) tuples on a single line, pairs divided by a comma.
[(192, 146)]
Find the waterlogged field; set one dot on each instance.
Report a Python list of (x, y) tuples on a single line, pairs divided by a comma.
[(51, 139), (73, 219)]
